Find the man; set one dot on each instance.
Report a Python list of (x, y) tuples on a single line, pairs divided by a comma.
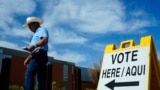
[(36, 62)]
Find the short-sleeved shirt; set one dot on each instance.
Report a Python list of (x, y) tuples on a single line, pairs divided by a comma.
[(38, 35)]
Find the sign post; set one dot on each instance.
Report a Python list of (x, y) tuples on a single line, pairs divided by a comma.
[(130, 67)]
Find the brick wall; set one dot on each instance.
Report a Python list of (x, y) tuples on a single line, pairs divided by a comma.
[(17, 71)]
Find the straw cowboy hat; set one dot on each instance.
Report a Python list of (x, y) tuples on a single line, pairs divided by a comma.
[(33, 19)]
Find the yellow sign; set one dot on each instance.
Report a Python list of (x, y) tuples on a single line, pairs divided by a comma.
[(130, 67)]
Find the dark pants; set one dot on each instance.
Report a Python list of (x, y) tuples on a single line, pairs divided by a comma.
[(36, 67)]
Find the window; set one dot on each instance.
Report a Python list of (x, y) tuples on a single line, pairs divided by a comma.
[(85, 75), (2, 57), (65, 76)]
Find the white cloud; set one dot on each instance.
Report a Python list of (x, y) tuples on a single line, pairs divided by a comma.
[(21, 32), (9, 9), (94, 17), (70, 21), (8, 44), (68, 55), (80, 15), (158, 55), (61, 37), (98, 47), (66, 19)]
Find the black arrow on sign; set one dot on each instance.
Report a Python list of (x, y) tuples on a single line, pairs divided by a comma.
[(113, 84)]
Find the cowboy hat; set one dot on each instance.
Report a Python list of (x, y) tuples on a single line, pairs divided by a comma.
[(33, 19)]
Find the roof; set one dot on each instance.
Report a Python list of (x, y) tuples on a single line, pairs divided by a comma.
[(22, 53)]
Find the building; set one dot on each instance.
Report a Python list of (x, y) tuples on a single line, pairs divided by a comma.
[(60, 74)]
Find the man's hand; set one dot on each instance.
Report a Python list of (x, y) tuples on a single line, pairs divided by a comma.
[(27, 60), (25, 48), (30, 48)]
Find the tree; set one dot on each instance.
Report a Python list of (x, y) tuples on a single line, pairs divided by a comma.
[(94, 72)]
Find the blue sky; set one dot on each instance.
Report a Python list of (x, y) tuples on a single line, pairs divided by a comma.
[(80, 29)]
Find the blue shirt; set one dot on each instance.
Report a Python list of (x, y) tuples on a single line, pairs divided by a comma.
[(38, 35)]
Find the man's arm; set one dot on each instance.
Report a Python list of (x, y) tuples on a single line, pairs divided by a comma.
[(42, 42)]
